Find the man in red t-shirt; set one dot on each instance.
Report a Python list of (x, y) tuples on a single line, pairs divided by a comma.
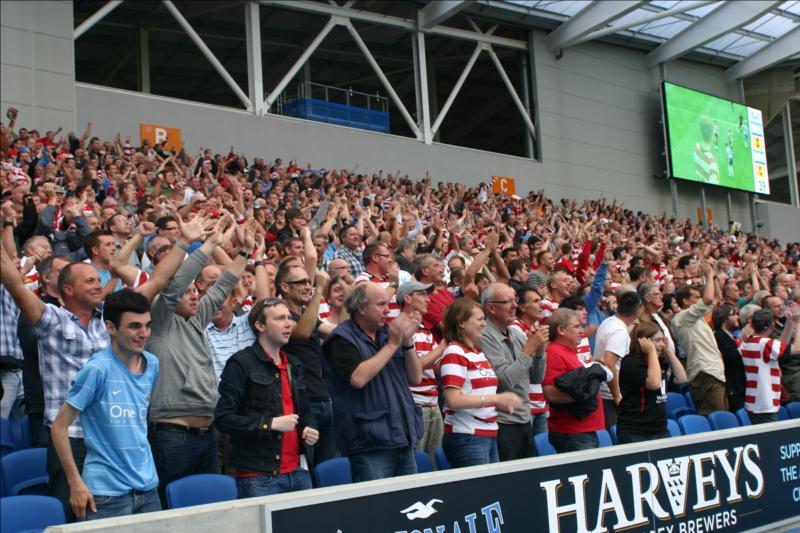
[(263, 405), (566, 432), (430, 269)]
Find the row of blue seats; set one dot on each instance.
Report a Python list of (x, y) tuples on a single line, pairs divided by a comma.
[(679, 404), (688, 424)]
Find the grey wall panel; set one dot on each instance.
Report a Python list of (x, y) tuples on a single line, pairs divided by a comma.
[(15, 46), (48, 90), (16, 85), (17, 14), (49, 18), (53, 54), (37, 66), (779, 220)]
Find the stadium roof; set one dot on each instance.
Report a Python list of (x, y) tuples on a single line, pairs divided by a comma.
[(749, 36)]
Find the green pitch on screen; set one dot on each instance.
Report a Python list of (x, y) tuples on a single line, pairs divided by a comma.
[(697, 121)]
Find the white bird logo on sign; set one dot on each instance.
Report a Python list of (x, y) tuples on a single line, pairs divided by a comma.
[(420, 510)]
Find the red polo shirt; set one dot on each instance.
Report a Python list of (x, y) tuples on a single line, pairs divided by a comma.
[(290, 448), (561, 359)]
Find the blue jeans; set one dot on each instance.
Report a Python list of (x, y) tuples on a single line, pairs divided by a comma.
[(463, 450), (573, 442), (134, 502), (625, 437), (177, 454), (250, 487), (382, 464), (326, 445), (539, 423)]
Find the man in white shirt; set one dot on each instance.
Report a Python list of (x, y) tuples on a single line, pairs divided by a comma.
[(611, 344)]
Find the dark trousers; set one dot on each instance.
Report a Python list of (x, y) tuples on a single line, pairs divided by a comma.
[(573, 442), (179, 453), (610, 413), (40, 434), (762, 418), (57, 485), (326, 445), (735, 401), (514, 441)]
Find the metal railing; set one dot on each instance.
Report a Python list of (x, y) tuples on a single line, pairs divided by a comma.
[(331, 94)]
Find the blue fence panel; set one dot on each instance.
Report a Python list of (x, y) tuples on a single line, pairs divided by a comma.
[(341, 114)]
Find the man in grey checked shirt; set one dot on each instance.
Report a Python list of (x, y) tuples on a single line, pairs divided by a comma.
[(349, 250), (69, 335)]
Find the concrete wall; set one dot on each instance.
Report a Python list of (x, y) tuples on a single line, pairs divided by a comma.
[(780, 221), (599, 108), (37, 63)]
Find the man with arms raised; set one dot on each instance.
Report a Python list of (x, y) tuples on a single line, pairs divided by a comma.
[(182, 406)]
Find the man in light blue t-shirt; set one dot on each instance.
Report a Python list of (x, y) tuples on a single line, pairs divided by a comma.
[(111, 393)]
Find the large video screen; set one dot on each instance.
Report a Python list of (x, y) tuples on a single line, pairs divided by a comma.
[(715, 141)]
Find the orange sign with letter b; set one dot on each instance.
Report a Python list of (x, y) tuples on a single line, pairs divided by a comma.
[(159, 134)]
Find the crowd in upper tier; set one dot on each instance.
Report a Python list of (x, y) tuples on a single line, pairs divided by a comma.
[(167, 313)]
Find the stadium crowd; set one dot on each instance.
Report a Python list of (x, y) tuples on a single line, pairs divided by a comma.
[(174, 313)]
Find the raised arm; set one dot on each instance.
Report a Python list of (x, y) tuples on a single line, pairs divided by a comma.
[(29, 304), (308, 320), (309, 252), (192, 231)]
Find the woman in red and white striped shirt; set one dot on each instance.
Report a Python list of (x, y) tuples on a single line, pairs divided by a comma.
[(470, 389)]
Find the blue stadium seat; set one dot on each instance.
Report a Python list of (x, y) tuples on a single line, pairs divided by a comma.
[(441, 460), (30, 513), (744, 418), (604, 438), (424, 463), (676, 406), (21, 433), (793, 408), (333, 472), (783, 414), (24, 472), (674, 428), (199, 489), (723, 420), (691, 424), (689, 400), (6, 438), (543, 446), (613, 431)]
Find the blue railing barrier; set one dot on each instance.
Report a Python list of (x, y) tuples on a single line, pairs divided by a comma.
[(341, 114)]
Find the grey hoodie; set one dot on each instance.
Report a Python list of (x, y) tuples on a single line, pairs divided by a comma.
[(186, 384)]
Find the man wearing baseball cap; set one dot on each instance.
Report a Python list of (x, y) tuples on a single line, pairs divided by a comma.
[(413, 296)]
